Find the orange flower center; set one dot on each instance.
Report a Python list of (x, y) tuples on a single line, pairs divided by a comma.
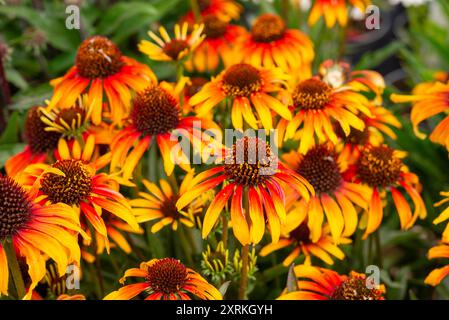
[(378, 167), (249, 162), (167, 276), (301, 233), (241, 80), (319, 166), (214, 27), (14, 207), (268, 28), (98, 57), (174, 48), (196, 83), (311, 94), (38, 139), (155, 111), (355, 288), (72, 187)]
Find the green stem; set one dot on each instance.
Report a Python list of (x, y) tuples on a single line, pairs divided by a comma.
[(196, 10), (245, 255), (185, 244), (152, 162), (244, 273), (342, 43), (378, 249), (224, 233), (285, 5), (14, 268)]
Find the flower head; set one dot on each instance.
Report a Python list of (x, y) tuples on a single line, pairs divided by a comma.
[(382, 169), (176, 49), (335, 198), (165, 279), (252, 169), (101, 67), (246, 86), (324, 284), (74, 181), (36, 232), (160, 204), (316, 106), (271, 44)]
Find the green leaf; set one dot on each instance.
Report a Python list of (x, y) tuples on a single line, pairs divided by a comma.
[(11, 133), (16, 78), (373, 59)]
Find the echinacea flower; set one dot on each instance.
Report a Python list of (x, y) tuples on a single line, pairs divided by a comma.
[(297, 239), (217, 47), (225, 10), (382, 169), (335, 11), (35, 232), (245, 86), (437, 275), (271, 44), (251, 169), (316, 105), (428, 101), (176, 49), (73, 180), (156, 116), (324, 284), (165, 279), (335, 198), (160, 204), (40, 143), (101, 66)]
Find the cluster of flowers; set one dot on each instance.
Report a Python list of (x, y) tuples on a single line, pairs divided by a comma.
[(62, 196)]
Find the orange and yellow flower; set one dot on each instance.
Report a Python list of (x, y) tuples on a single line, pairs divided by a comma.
[(156, 113), (35, 232), (101, 66), (316, 106), (271, 44), (165, 279), (295, 234), (73, 180), (217, 46), (335, 11), (429, 99), (382, 169), (176, 49), (160, 204), (324, 284), (245, 86), (335, 198), (259, 178)]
